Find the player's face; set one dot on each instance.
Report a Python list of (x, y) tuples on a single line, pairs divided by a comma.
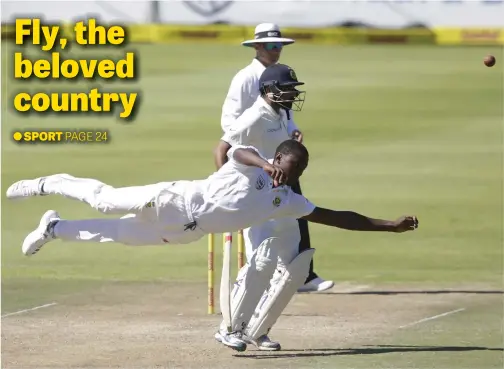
[(289, 95), (292, 166), (269, 52)]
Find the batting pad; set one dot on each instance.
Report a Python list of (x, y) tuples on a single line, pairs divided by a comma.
[(283, 287), (253, 279)]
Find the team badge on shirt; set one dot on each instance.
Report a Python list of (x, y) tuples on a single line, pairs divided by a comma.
[(260, 183), (277, 201)]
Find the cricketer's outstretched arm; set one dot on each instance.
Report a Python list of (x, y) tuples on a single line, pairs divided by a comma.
[(356, 222)]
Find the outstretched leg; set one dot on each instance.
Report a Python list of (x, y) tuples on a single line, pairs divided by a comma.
[(127, 230), (98, 195)]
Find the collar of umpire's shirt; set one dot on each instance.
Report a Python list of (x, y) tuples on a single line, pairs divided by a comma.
[(258, 66)]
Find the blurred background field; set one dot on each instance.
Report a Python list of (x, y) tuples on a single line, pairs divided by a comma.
[(391, 130)]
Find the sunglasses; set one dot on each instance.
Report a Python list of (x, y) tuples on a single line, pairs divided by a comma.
[(273, 45)]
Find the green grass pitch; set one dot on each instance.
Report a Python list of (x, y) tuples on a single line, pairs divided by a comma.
[(391, 130)]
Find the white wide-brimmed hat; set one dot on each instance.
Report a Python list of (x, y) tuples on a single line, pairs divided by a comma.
[(267, 32)]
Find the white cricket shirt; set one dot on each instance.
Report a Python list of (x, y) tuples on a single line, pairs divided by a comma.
[(259, 126), (242, 94), (238, 196)]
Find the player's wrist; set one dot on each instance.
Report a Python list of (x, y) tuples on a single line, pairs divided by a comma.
[(388, 226), (265, 165)]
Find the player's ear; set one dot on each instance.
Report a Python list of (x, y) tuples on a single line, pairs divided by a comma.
[(278, 158)]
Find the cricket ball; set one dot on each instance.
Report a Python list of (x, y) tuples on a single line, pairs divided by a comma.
[(489, 60)]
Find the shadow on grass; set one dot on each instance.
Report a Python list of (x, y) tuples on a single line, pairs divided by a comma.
[(365, 350)]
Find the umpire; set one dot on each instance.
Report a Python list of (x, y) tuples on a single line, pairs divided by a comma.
[(243, 92)]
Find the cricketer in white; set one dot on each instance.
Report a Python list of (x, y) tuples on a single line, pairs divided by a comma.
[(179, 212), (264, 126), (243, 93), (246, 190)]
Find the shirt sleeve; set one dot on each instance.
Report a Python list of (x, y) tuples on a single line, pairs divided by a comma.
[(291, 126), (297, 206), (236, 100), (242, 168), (245, 130), (231, 151)]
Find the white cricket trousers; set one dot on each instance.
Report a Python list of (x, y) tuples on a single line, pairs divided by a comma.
[(286, 230), (155, 214)]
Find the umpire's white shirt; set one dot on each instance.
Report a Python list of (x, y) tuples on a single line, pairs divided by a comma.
[(242, 94)]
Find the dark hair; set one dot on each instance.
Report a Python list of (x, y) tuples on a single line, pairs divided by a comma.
[(292, 147)]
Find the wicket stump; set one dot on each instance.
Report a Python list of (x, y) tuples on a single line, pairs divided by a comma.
[(211, 271)]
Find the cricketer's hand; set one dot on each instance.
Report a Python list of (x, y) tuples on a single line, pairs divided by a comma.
[(297, 135), (406, 223), (276, 173)]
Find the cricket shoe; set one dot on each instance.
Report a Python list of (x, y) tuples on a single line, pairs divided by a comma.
[(233, 340), (25, 188), (263, 343), (43, 234), (316, 285)]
